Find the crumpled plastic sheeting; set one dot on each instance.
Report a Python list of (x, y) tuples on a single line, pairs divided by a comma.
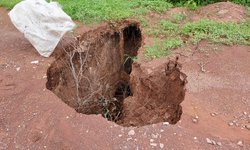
[(42, 23)]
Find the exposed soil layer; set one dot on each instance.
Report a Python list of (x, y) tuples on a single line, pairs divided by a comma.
[(93, 76)]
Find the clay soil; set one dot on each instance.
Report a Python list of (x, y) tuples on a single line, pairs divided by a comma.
[(33, 117)]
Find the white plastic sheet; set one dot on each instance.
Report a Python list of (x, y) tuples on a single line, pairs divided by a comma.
[(42, 23)]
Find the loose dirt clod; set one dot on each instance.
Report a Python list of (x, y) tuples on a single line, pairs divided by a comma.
[(97, 75)]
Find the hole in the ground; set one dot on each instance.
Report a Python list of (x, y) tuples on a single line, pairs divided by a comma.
[(132, 42), (94, 76)]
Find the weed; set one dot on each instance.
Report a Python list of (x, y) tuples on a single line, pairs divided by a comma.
[(162, 48), (178, 17)]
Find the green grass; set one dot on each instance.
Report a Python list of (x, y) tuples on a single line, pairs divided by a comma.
[(225, 33), (162, 48), (9, 4), (178, 17)]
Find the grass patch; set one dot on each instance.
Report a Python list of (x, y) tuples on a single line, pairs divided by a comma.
[(178, 17), (9, 4), (225, 33), (162, 48)]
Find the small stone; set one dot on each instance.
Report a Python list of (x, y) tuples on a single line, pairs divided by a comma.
[(245, 113), (153, 144), (18, 69), (34, 62), (161, 145), (120, 135), (195, 120), (161, 130), (214, 143), (131, 132), (44, 146), (152, 140), (67, 117), (230, 124), (165, 123), (240, 143), (213, 114), (196, 117), (209, 141), (219, 143), (247, 126), (195, 138)]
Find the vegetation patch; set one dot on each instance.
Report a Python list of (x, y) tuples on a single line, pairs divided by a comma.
[(162, 48)]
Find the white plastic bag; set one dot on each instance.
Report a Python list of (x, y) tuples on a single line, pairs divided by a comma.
[(42, 23)]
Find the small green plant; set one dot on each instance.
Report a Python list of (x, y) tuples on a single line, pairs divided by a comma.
[(162, 48), (191, 4), (178, 17)]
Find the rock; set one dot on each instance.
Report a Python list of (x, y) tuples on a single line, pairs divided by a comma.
[(18, 69), (161, 145), (214, 143), (152, 140), (247, 126), (165, 123), (245, 113), (153, 144), (131, 132), (219, 143), (213, 114), (230, 124), (34, 62), (195, 120), (240, 143), (195, 138), (209, 141)]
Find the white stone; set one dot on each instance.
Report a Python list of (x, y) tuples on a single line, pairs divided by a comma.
[(161, 145), (153, 144), (131, 132), (240, 143), (34, 62)]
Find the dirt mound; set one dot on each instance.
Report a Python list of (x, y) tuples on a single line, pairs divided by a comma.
[(224, 11), (158, 92), (93, 77)]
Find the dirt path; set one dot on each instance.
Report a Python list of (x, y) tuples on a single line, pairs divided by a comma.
[(32, 117)]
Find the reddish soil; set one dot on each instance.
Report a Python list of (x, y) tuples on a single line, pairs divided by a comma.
[(32, 117)]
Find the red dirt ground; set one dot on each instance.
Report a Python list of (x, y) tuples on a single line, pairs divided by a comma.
[(32, 117)]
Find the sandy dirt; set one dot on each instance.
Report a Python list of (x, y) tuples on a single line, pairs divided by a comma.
[(216, 108)]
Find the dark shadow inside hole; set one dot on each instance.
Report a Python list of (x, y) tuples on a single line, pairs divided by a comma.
[(132, 42), (122, 91)]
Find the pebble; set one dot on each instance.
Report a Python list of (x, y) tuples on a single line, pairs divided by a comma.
[(131, 132), (161, 145), (219, 143), (153, 144), (195, 138), (18, 69), (120, 135), (247, 126), (152, 140), (165, 123), (213, 114), (245, 113), (230, 124), (209, 141), (34, 62), (240, 143), (194, 120)]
